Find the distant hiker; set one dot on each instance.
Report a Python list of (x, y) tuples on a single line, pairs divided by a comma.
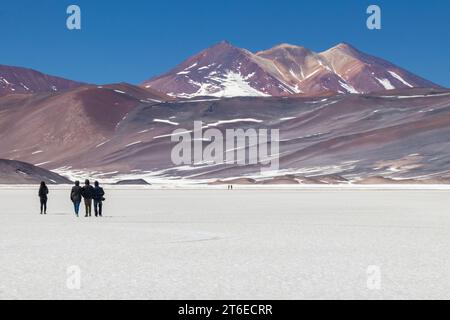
[(75, 196), (43, 196), (98, 199), (88, 194)]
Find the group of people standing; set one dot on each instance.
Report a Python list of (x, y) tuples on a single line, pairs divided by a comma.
[(91, 195)]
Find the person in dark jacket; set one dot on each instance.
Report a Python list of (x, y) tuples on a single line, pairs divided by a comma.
[(98, 199), (88, 194), (43, 196), (75, 196)]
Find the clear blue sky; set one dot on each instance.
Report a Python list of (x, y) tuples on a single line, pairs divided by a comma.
[(134, 40)]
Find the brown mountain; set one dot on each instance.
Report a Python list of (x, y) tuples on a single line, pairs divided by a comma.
[(222, 70), (50, 128), (399, 134), (226, 71), (124, 132), (17, 172), (17, 80)]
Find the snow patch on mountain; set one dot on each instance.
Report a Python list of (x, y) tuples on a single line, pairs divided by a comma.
[(133, 143), (348, 87), (311, 74), (396, 76), (166, 122), (4, 80), (230, 84), (287, 118), (220, 122), (386, 83)]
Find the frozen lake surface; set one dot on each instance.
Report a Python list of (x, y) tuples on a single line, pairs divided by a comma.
[(220, 244)]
